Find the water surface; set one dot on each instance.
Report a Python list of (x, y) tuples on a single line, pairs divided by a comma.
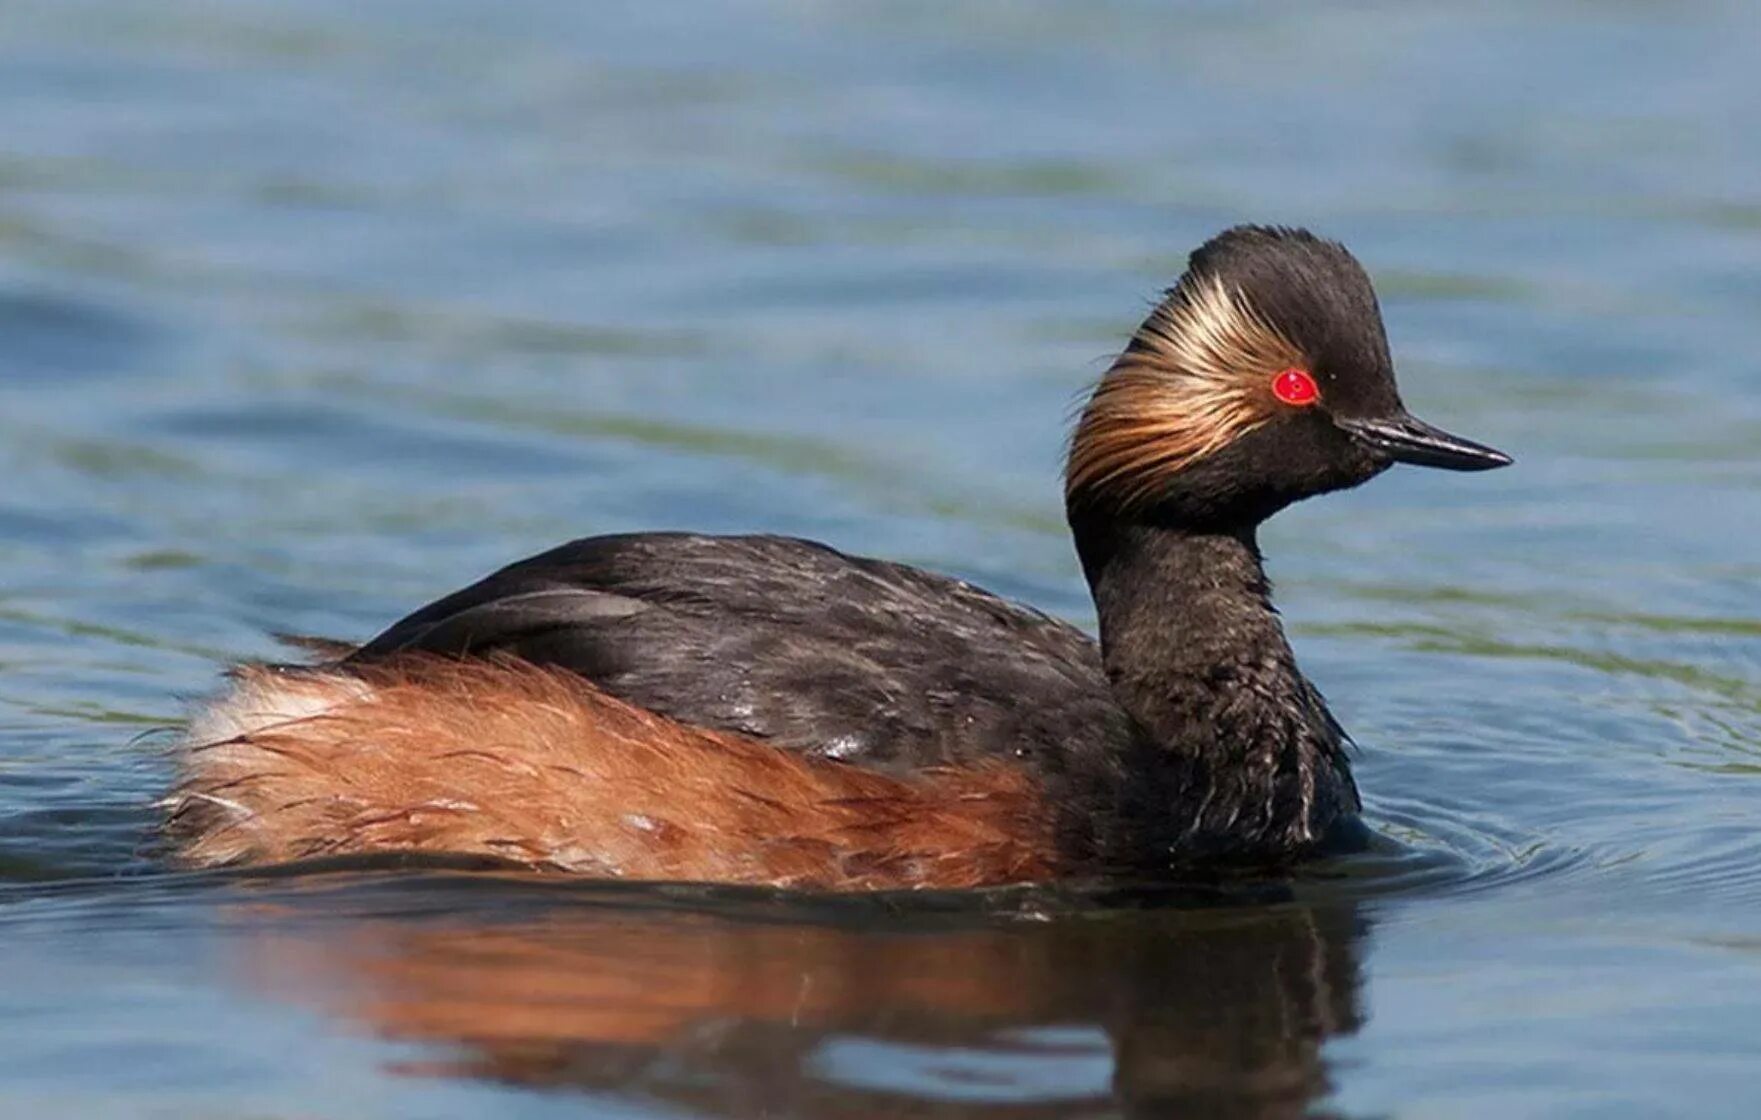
[(311, 311)]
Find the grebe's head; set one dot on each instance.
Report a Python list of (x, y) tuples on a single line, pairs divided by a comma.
[(1262, 378)]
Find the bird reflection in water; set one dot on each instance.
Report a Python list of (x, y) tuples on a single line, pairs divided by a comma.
[(1214, 1011)]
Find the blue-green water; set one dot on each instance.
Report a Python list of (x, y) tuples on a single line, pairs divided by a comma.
[(311, 311)]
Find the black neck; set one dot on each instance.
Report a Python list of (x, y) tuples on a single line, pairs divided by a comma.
[(1234, 750)]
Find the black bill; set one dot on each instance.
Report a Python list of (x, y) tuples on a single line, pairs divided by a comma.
[(1407, 439)]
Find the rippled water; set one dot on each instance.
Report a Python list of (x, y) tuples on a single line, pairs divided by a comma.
[(310, 311)]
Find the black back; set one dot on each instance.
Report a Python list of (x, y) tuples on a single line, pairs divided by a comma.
[(790, 641)]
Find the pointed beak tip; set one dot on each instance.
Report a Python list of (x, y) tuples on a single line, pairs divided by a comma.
[(1496, 458)]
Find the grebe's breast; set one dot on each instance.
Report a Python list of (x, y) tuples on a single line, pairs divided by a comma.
[(791, 641)]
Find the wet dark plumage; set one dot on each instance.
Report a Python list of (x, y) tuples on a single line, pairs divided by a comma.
[(795, 642)]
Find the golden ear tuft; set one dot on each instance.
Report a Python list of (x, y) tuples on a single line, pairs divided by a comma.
[(1194, 379)]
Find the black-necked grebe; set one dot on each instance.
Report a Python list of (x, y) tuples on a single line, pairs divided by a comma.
[(761, 709)]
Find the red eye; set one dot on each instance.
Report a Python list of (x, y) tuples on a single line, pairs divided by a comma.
[(1296, 387)]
